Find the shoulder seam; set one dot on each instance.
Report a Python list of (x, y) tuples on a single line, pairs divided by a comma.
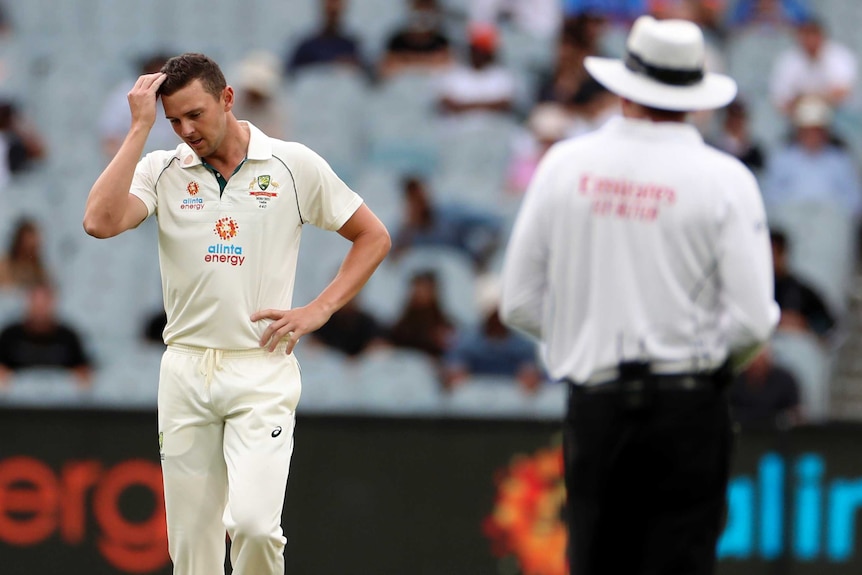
[(168, 165), (302, 220)]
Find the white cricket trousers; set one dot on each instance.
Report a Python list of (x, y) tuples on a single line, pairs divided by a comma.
[(226, 422)]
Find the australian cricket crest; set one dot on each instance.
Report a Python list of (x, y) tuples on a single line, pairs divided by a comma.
[(263, 189)]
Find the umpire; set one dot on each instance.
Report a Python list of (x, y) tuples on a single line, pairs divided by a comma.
[(641, 261)]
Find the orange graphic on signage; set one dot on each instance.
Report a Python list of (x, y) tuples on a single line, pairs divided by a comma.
[(82, 502)]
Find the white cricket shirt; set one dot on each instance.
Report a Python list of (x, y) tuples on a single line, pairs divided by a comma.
[(639, 242), (225, 255)]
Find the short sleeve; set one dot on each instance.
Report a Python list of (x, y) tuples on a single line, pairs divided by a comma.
[(324, 199), (144, 182)]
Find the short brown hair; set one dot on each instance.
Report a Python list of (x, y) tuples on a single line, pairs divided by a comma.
[(182, 70)]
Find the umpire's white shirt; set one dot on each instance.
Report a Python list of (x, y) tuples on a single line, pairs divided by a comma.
[(638, 241), (225, 256)]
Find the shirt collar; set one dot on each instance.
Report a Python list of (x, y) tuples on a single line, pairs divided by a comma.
[(634, 127), (259, 148)]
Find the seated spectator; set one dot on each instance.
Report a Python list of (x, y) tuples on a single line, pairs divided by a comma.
[(735, 138), (154, 327), (812, 168), (768, 12), (539, 18), (22, 145), (482, 86), (621, 12), (707, 14), (22, 266), (802, 309), (116, 117), (257, 98), (40, 340), (493, 349), (351, 330), (563, 82), (474, 233), (547, 124), (421, 44), (330, 44), (765, 396), (817, 66), (423, 325)]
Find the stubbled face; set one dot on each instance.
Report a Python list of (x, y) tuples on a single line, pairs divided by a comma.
[(40, 309), (811, 39), (198, 117), (812, 138)]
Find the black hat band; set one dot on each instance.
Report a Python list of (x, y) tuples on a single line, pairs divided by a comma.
[(672, 76)]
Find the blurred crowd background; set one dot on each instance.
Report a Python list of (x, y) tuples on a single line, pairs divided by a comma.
[(437, 113)]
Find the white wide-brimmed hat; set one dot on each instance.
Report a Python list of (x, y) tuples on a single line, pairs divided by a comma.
[(664, 68), (812, 112)]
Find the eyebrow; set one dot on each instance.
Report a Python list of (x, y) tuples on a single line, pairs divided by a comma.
[(192, 111)]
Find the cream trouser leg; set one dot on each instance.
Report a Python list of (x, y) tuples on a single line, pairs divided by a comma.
[(226, 420)]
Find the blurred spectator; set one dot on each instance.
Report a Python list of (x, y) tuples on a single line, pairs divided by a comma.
[(734, 137), (330, 44), (539, 18), (802, 309), (116, 117), (547, 124), (472, 232), (5, 22), (765, 396), (154, 327), (768, 12), (811, 167), (816, 66), (21, 145), (257, 95), (22, 266), (563, 82), (617, 11), (493, 349), (423, 324), (420, 44), (482, 86), (40, 339), (707, 14), (351, 330)]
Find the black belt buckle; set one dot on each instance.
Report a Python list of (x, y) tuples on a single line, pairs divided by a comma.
[(636, 383)]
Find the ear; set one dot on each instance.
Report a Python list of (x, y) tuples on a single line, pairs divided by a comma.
[(229, 98)]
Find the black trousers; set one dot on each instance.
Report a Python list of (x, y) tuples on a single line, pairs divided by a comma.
[(646, 481)]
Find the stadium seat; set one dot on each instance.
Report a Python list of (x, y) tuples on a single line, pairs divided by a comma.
[(52, 388), (397, 382), (822, 246), (327, 105), (803, 356), (474, 160), (326, 383), (385, 293), (400, 128), (487, 397)]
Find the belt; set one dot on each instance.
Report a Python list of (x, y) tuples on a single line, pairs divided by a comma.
[(673, 368), (701, 381)]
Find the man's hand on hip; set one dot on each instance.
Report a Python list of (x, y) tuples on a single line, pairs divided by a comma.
[(291, 324)]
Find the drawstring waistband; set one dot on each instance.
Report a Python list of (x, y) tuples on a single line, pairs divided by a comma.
[(210, 362), (211, 359)]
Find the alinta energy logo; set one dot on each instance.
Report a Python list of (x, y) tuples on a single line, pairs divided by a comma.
[(225, 253), (193, 202)]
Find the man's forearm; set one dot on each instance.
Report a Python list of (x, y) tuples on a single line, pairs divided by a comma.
[(108, 199)]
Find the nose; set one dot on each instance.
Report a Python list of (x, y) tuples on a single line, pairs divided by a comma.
[(186, 128)]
